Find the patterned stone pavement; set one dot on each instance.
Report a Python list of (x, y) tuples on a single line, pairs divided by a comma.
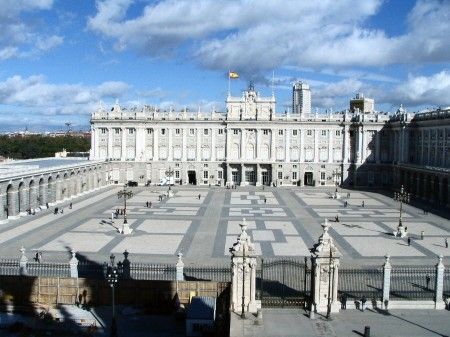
[(203, 223)]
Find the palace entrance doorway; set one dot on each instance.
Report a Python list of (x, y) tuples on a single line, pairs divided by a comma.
[(192, 180), (308, 179)]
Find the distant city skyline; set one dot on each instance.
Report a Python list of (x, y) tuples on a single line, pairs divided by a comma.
[(60, 58)]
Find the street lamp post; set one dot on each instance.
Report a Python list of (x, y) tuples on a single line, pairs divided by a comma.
[(112, 274), (401, 196), (169, 173), (125, 194), (329, 286)]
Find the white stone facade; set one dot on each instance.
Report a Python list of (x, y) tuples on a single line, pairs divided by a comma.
[(248, 145)]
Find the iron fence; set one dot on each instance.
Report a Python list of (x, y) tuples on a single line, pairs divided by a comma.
[(161, 272), (208, 273), (283, 282), (446, 284), (9, 267), (412, 283), (48, 269), (357, 283)]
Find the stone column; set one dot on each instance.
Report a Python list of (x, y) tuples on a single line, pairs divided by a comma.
[(199, 148), (258, 175), (316, 146), (386, 281), (3, 218), (155, 144), (184, 146), (213, 144), (24, 203), (258, 144), (124, 144), (13, 203), (243, 274), (362, 146), (346, 154), (180, 267), (23, 262), (287, 157), (242, 154), (58, 190), (242, 175), (170, 153), (272, 144), (302, 146), (330, 146), (229, 177), (273, 173), (73, 265), (140, 144), (439, 286), (93, 150), (51, 193), (377, 147), (110, 143), (42, 195), (325, 266)]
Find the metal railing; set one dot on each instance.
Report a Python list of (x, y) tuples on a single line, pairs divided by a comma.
[(358, 283), (48, 269), (412, 283), (9, 267), (207, 273)]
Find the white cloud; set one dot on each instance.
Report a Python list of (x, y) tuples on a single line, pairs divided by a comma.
[(252, 36), (36, 92), (20, 38)]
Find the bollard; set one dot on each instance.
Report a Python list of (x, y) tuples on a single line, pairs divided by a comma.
[(367, 331)]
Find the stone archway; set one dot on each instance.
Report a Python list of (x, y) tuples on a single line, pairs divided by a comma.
[(33, 195), (42, 198), (12, 203), (23, 198), (51, 195)]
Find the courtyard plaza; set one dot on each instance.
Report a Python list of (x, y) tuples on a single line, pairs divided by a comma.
[(203, 223)]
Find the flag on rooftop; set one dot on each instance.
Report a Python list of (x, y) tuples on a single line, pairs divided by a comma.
[(233, 74)]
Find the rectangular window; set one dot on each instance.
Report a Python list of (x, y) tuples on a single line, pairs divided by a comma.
[(294, 132), (177, 174), (280, 132), (220, 174), (117, 131), (130, 131), (324, 132), (149, 131), (220, 131), (266, 132), (177, 131), (163, 131), (235, 131), (192, 132), (103, 130), (309, 132), (205, 132), (280, 175), (205, 174), (322, 175), (338, 132), (294, 175)]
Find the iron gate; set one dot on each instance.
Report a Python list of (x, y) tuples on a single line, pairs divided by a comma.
[(283, 283)]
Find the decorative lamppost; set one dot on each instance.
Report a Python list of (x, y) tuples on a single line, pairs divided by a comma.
[(112, 274), (401, 196), (169, 173), (125, 194)]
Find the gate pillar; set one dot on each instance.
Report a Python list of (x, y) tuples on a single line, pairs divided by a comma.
[(243, 273), (325, 267)]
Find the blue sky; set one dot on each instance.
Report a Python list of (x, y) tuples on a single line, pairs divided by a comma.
[(60, 58)]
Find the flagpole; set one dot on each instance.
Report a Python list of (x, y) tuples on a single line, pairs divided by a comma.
[(229, 84)]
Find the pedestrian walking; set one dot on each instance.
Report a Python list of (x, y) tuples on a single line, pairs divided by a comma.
[(345, 204), (36, 257), (62, 211), (265, 200), (46, 205), (146, 204), (344, 301), (428, 279), (70, 206), (362, 203), (446, 242), (199, 196), (409, 241), (348, 195), (422, 234), (56, 210), (39, 257), (336, 218), (363, 303)]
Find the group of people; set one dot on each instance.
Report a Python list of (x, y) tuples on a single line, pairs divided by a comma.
[(148, 204), (60, 211)]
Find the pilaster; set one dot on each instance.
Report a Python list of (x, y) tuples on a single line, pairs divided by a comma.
[(386, 280), (439, 286)]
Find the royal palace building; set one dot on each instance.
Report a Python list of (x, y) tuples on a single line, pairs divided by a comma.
[(249, 144)]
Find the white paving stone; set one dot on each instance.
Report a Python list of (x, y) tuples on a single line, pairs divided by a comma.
[(380, 246), (293, 247), (317, 202), (358, 228), (262, 235), (80, 242), (164, 226), (150, 244), (285, 226), (96, 225)]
